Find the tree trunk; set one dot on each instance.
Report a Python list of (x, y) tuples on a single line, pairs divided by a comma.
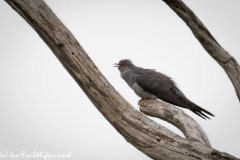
[(146, 135)]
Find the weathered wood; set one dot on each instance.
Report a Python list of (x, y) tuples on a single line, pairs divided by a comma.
[(146, 135), (223, 58), (167, 112)]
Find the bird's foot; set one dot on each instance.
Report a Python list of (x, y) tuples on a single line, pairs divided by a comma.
[(142, 101)]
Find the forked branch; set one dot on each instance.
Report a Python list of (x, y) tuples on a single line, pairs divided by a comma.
[(167, 112)]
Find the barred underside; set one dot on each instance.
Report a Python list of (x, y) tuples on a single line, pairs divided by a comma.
[(141, 92)]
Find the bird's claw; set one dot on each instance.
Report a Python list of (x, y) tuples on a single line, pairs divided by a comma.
[(142, 101)]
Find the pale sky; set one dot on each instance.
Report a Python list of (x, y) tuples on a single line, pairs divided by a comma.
[(43, 109)]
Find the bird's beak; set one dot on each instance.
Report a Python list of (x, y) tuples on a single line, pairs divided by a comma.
[(116, 65)]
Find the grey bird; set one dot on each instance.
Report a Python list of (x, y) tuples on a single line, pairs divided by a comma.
[(149, 84)]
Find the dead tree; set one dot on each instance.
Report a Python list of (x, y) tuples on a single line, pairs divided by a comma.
[(146, 135)]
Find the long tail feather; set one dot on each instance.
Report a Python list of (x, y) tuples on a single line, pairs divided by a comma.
[(199, 111)]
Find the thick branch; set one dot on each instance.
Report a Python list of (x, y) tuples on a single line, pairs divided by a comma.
[(224, 59), (146, 135), (167, 112)]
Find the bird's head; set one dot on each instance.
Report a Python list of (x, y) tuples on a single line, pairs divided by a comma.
[(123, 64)]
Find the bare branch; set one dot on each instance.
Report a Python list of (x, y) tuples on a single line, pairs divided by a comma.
[(224, 59), (146, 135), (167, 112)]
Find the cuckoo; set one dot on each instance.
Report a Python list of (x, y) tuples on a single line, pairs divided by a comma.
[(150, 84)]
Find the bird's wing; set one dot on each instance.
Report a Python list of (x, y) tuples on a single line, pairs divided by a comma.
[(155, 82), (166, 89)]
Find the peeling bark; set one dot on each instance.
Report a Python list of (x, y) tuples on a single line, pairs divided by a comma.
[(146, 135)]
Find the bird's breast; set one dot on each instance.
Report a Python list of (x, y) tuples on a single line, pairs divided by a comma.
[(128, 77)]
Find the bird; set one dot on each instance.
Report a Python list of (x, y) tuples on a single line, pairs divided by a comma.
[(150, 84)]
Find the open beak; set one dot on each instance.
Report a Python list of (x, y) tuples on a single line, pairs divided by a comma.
[(116, 65)]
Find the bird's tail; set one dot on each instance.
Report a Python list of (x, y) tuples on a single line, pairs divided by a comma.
[(200, 111)]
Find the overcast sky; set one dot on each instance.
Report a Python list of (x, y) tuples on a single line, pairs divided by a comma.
[(43, 109)]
